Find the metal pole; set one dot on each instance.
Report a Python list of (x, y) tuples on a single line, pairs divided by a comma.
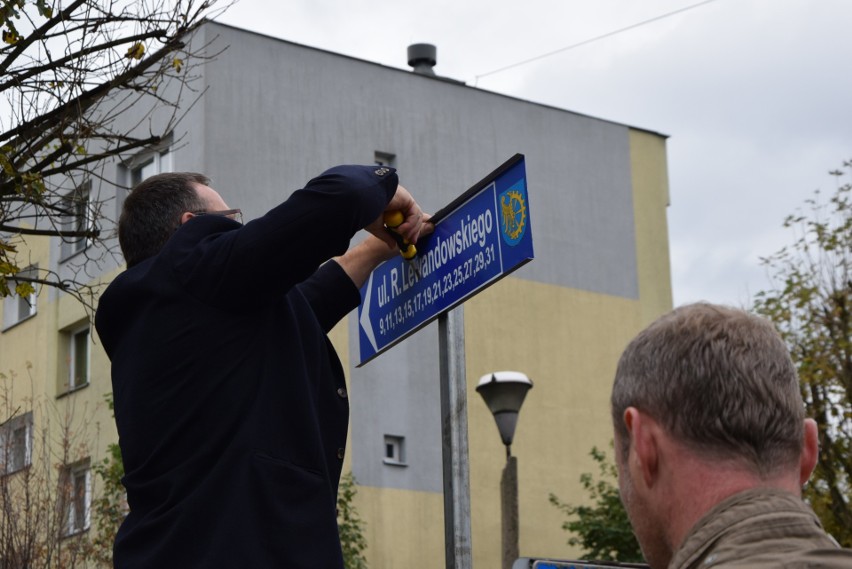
[(509, 510), (454, 440)]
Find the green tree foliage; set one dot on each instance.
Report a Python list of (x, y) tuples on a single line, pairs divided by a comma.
[(811, 305), (68, 70), (602, 529), (350, 525)]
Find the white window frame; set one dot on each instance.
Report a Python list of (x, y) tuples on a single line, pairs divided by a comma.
[(395, 447), (9, 450), (82, 219), (75, 521), (18, 308), (73, 334), (156, 162)]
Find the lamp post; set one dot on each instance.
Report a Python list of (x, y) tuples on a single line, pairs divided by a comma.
[(504, 393)]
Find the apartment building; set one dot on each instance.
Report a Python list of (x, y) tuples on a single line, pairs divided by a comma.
[(273, 115)]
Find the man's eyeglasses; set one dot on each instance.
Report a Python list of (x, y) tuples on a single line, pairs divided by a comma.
[(235, 214)]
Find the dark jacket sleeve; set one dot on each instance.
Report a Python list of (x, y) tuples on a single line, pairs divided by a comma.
[(269, 255), (331, 294)]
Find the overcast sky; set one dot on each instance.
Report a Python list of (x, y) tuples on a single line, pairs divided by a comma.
[(756, 96)]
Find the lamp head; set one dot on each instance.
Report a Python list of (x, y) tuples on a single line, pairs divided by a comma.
[(504, 393)]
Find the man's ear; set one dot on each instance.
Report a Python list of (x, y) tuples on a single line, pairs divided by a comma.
[(186, 216), (810, 451), (644, 444)]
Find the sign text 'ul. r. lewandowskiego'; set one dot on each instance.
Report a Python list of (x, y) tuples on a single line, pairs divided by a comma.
[(481, 237)]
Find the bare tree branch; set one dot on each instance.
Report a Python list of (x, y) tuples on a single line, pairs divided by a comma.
[(70, 74)]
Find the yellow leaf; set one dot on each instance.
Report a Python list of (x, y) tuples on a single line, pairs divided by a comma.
[(7, 268), (177, 63), (24, 289), (136, 51), (10, 37)]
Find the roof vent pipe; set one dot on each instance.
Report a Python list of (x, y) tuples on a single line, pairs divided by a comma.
[(423, 57)]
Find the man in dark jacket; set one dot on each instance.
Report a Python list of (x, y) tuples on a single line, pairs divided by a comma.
[(230, 400), (713, 447)]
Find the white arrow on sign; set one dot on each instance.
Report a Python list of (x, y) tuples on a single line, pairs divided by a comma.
[(365, 315)]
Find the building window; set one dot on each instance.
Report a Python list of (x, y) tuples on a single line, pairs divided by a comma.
[(79, 216), (16, 443), (150, 164), (394, 450), (76, 492), (385, 159), (78, 358), (17, 307)]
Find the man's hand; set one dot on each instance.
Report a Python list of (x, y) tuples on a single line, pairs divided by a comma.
[(359, 261), (413, 222)]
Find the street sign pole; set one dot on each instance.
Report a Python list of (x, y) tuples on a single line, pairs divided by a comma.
[(454, 439)]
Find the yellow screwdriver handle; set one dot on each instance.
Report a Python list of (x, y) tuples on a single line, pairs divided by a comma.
[(394, 219), (409, 252)]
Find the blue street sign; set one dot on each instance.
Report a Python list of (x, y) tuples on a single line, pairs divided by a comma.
[(481, 237)]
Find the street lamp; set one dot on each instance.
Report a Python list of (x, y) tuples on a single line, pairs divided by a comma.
[(504, 393)]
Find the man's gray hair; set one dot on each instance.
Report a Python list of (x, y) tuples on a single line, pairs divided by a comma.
[(719, 380)]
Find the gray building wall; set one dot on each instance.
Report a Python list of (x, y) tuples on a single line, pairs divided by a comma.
[(279, 113)]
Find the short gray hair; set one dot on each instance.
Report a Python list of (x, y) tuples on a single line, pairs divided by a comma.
[(719, 380)]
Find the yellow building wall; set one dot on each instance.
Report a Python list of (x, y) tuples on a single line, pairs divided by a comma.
[(649, 171), (567, 342), (403, 528), (88, 404), (25, 352)]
